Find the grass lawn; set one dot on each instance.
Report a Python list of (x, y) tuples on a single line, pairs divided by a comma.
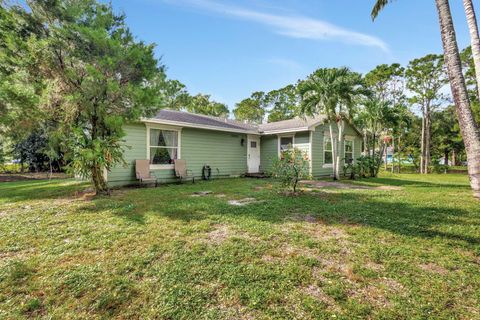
[(163, 253)]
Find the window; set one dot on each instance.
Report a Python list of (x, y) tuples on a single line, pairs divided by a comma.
[(163, 146), (286, 143), (253, 144), (348, 151), (327, 151)]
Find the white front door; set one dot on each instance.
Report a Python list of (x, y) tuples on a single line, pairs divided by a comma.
[(253, 153)]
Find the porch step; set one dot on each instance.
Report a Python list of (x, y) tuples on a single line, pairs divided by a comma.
[(258, 175)]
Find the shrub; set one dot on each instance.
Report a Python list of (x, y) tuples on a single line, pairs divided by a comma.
[(291, 168)]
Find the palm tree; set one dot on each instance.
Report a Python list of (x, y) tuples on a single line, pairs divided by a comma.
[(469, 128), (331, 92), (474, 38)]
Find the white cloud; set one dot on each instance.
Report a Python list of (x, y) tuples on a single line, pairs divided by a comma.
[(291, 25)]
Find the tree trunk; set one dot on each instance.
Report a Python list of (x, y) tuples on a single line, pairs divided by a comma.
[(422, 145), (340, 126), (468, 127), (427, 140), (334, 153), (98, 180), (454, 158), (446, 153), (474, 38), (393, 154)]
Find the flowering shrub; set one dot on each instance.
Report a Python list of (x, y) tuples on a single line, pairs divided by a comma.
[(291, 168)]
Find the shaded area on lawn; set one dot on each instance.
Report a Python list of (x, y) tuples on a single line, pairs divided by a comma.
[(159, 252)]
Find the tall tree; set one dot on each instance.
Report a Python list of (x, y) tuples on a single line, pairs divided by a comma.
[(332, 92), (474, 37), (201, 104), (469, 127), (425, 79), (282, 103), (99, 77), (251, 109)]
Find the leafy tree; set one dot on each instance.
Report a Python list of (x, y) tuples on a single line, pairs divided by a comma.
[(99, 77), (251, 109), (202, 104), (282, 103), (333, 92), (468, 125), (291, 168), (446, 135), (20, 83), (425, 79)]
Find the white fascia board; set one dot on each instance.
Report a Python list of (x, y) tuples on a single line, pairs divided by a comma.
[(285, 130), (197, 126)]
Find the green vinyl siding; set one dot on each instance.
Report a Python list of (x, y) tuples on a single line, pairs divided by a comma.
[(269, 147), (135, 147), (268, 152), (302, 141), (222, 151), (317, 148)]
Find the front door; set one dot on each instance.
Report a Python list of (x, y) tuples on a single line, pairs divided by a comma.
[(253, 153)]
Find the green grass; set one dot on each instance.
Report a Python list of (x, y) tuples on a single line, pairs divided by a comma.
[(162, 253)]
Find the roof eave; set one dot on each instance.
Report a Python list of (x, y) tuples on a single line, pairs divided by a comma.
[(197, 126), (289, 130)]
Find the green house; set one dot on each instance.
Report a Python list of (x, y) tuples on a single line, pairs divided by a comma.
[(230, 148)]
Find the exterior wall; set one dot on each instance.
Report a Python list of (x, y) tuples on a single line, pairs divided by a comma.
[(269, 147), (268, 151), (318, 169), (221, 150)]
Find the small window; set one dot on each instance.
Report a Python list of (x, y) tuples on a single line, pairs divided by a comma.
[(327, 151), (286, 143), (253, 144), (348, 151), (163, 146)]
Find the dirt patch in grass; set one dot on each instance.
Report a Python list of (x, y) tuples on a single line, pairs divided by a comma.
[(219, 235), (243, 202), (434, 268), (348, 186), (4, 177), (201, 193), (317, 293)]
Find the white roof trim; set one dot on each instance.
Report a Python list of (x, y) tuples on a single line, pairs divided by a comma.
[(197, 126), (285, 130)]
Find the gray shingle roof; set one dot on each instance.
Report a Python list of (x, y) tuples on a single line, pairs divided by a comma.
[(291, 124), (228, 124), (199, 119)]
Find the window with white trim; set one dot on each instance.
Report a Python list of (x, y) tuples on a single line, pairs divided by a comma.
[(163, 146), (348, 151), (286, 143), (327, 150)]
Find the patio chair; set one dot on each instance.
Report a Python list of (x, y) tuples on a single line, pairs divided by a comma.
[(142, 172), (182, 172)]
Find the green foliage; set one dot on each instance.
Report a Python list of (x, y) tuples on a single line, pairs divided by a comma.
[(292, 167), (331, 91), (282, 103), (251, 109), (96, 77), (201, 104)]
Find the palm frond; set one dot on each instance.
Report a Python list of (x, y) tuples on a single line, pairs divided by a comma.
[(379, 5)]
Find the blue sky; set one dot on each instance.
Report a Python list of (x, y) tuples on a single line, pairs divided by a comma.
[(231, 48)]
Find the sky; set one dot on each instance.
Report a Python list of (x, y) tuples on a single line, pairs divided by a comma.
[(229, 49)]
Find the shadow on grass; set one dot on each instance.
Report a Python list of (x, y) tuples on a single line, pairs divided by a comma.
[(412, 214), (413, 183), (39, 189)]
